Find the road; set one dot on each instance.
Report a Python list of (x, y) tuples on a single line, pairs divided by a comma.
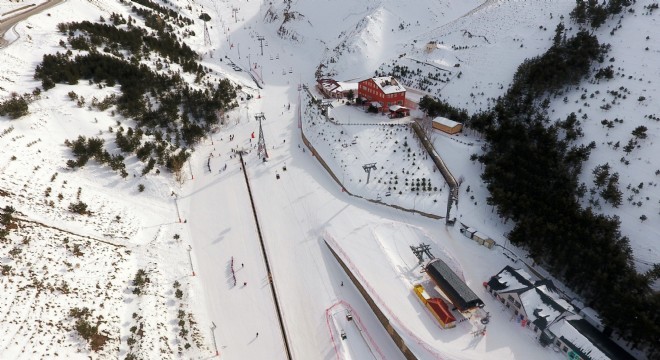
[(7, 24)]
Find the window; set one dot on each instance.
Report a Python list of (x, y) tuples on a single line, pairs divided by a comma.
[(517, 304), (564, 348), (510, 298), (516, 312)]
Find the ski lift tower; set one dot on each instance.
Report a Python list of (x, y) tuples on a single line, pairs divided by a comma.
[(261, 145), (234, 11), (367, 168), (261, 43), (420, 250), (205, 18)]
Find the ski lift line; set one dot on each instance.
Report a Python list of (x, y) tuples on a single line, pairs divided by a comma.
[(278, 309)]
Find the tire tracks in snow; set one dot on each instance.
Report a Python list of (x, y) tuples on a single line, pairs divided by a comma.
[(9, 23)]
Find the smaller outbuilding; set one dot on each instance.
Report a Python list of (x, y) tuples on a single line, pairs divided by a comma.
[(479, 237), (331, 88), (437, 307), (468, 232), (447, 126), (398, 111)]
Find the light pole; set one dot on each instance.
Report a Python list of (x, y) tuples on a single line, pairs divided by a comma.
[(215, 345), (190, 258)]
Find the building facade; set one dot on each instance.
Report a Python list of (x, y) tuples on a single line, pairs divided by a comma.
[(381, 92), (537, 305)]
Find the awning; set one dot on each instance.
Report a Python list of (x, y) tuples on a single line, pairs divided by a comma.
[(395, 108)]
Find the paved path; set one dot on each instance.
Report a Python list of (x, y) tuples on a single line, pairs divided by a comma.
[(7, 24)]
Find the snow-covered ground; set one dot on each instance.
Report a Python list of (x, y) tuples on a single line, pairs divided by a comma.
[(352, 138), (10, 7), (297, 213)]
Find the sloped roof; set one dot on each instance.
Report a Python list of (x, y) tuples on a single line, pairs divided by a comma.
[(446, 122), (346, 86), (540, 306), (509, 279), (388, 84), (395, 108), (441, 309), (587, 340), (328, 84), (332, 85), (456, 290)]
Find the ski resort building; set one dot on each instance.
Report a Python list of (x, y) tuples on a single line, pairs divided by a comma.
[(336, 89), (535, 304), (437, 307), (579, 340), (446, 125), (457, 291), (383, 91)]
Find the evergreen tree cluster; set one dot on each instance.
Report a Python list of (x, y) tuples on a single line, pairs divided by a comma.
[(168, 13), (565, 63), (135, 80), (164, 106), (87, 327), (595, 13), (416, 77), (531, 171), (436, 107), (134, 39), (16, 106), (608, 184), (84, 149)]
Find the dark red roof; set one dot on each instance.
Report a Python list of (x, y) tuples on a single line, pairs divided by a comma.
[(441, 309)]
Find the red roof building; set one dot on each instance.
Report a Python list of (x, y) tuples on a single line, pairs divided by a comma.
[(385, 90), (436, 306), (441, 312)]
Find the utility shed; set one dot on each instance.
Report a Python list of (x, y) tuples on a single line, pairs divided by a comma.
[(446, 125), (479, 237), (457, 291)]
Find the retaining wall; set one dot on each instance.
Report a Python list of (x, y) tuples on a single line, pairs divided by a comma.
[(398, 340)]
